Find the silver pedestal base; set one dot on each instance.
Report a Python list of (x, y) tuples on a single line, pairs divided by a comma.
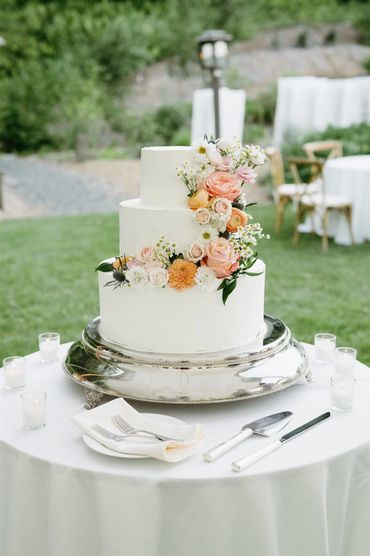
[(274, 362)]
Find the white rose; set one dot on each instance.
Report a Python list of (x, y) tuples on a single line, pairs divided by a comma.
[(214, 156), (158, 277), (206, 279), (256, 155), (196, 251), (137, 277)]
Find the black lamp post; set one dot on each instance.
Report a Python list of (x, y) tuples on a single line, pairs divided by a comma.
[(213, 50)]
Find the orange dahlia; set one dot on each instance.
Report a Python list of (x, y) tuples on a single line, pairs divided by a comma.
[(182, 274)]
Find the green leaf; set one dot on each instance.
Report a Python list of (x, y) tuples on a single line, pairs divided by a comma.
[(227, 290), (253, 273), (104, 267)]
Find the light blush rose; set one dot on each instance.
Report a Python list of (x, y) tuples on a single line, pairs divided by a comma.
[(202, 216), (221, 257), (237, 218), (134, 262), (146, 254), (198, 199), (158, 277), (196, 251), (221, 206), (226, 163), (153, 264), (246, 174), (223, 184)]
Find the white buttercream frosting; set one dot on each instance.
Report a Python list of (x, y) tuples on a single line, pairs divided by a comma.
[(165, 320)]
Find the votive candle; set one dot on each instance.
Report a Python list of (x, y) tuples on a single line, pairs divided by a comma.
[(33, 409), (49, 346), (342, 392), (14, 372), (325, 347), (345, 359)]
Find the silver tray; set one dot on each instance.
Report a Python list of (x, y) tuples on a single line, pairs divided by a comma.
[(274, 362)]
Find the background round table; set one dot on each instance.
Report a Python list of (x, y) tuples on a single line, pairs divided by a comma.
[(311, 497), (350, 176)]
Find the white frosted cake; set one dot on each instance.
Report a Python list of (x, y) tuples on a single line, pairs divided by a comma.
[(188, 279)]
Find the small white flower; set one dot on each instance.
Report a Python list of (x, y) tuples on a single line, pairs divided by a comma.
[(219, 221), (137, 277), (158, 277), (208, 233), (206, 279), (202, 216), (200, 150), (224, 144)]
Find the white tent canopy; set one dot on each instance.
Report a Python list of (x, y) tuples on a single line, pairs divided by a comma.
[(232, 109)]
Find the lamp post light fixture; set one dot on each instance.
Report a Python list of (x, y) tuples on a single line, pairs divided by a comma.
[(213, 51)]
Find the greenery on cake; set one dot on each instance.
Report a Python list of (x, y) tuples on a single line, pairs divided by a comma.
[(226, 245)]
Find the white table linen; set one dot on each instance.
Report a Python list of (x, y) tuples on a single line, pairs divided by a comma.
[(232, 110), (311, 497), (308, 103), (348, 177)]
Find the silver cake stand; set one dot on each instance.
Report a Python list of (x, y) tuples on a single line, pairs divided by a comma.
[(275, 361)]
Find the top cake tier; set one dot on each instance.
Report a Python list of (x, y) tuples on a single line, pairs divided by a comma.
[(159, 184)]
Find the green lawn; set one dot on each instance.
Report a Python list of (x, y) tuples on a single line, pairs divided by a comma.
[(47, 280)]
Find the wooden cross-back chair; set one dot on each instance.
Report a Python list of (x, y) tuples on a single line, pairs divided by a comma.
[(286, 192), (325, 149)]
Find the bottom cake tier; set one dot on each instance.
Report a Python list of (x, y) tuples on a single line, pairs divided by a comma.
[(168, 321), (103, 368)]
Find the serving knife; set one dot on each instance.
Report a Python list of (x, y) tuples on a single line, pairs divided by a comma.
[(266, 426), (242, 463)]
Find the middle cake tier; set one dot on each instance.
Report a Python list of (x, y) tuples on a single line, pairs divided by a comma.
[(142, 225)]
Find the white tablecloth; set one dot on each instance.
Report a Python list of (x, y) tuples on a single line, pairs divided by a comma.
[(350, 176), (310, 498), (307, 103)]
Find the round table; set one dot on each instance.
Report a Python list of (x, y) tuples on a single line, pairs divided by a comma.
[(350, 176), (311, 497)]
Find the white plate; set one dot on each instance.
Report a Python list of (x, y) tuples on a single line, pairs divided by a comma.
[(101, 449)]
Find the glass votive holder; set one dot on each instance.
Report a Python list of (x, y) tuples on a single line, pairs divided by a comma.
[(325, 347), (342, 392), (49, 343), (33, 409), (345, 360), (14, 372)]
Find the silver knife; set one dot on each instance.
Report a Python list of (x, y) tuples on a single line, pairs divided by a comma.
[(265, 426), (242, 463)]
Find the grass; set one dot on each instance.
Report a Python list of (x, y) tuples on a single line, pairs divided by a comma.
[(47, 280)]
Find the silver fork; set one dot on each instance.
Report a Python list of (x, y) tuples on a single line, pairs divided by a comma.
[(113, 436), (128, 429)]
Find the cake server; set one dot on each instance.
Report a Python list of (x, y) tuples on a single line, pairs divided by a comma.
[(266, 426), (242, 463)]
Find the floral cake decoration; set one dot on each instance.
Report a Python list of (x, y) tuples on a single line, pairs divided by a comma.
[(225, 248)]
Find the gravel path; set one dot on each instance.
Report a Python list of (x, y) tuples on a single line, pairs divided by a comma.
[(35, 187)]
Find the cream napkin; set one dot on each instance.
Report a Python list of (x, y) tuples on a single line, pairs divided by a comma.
[(188, 437)]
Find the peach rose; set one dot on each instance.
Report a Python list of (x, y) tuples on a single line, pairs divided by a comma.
[(223, 184), (181, 274), (199, 199), (145, 254), (237, 218), (221, 257), (221, 206)]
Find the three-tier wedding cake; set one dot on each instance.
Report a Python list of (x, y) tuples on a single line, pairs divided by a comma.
[(188, 280)]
